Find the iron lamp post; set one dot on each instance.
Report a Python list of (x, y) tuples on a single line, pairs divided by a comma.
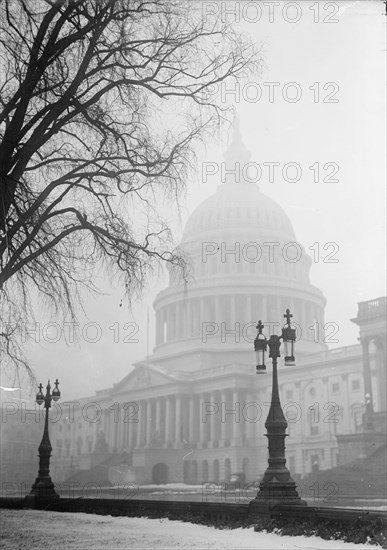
[(277, 485), (42, 491)]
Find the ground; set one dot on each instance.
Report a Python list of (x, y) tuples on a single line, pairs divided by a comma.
[(40, 530)]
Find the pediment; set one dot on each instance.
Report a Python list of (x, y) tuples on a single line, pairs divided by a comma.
[(143, 377)]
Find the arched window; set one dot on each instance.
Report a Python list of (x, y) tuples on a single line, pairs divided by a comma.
[(215, 475), (227, 470), (194, 471), (246, 467), (186, 471), (205, 471)]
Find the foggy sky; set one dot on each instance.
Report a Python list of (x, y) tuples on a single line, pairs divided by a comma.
[(350, 213)]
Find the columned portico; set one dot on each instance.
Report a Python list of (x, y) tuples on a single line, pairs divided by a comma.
[(178, 420), (236, 418), (223, 426), (191, 416), (141, 416), (158, 420), (214, 420), (251, 416), (131, 427), (365, 344), (168, 427), (148, 422), (371, 319), (381, 367), (201, 423)]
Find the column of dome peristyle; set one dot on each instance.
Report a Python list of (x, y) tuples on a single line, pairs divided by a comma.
[(277, 485), (371, 320)]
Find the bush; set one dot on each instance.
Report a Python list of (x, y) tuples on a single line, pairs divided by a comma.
[(370, 531)]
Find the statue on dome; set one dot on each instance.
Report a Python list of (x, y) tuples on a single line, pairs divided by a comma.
[(236, 157)]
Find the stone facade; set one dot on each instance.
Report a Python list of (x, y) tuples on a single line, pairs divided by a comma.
[(194, 411)]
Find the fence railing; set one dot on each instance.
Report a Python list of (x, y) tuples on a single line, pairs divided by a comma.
[(372, 307), (214, 511)]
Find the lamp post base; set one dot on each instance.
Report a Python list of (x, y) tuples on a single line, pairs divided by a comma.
[(271, 494), (41, 495)]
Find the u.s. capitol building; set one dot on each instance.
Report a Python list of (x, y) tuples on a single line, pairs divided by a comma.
[(194, 410)]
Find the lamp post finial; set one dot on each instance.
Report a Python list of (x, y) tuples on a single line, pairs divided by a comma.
[(288, 316), (260, 326)]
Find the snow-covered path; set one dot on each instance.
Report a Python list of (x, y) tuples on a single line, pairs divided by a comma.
[(35, 530)]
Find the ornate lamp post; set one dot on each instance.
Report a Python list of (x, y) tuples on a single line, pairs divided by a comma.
[(277, 485), (43, 490)]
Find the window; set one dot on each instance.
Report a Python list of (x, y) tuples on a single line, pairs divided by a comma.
[(314, 430), (227, 470), (313, 426), (215, 475), (356, 385), (205, 471), (336, 387)]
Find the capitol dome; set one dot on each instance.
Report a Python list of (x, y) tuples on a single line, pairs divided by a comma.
[(244, 264), (239, 208), (240, 225)]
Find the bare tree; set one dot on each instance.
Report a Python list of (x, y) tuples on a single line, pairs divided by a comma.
[(85, 155)]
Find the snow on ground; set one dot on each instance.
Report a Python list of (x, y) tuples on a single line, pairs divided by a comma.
[(39, 530), (168, 489)]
